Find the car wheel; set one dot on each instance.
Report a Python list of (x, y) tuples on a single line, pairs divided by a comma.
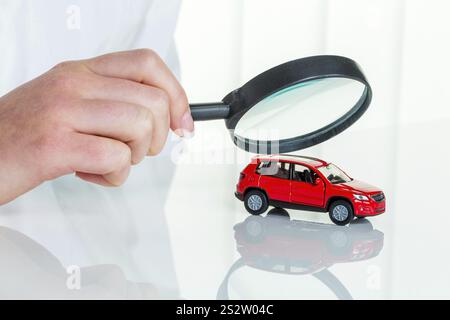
[(254, 229), (341, 212), (255, 202), (339, 242)]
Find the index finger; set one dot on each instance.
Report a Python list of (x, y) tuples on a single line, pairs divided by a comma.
[(146, 67)]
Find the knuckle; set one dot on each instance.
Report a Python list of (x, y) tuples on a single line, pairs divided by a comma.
[(109, 157), (180, 97), (136, 159), (161, 98), (96, 154), (118, 177), (148, 57), (66, 78), (145, 123), (121, 158), (118, 181), (137, 155), (160, 105), (65, 65)]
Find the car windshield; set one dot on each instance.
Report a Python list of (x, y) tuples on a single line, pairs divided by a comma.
[(334, 174)]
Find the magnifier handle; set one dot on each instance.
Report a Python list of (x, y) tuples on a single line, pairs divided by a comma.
[(209, 111)]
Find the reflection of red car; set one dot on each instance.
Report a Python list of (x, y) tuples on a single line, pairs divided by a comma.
[(307, 183), (277, 244)]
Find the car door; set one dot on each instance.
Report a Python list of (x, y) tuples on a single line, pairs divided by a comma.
[(304, 190), (274, 179)]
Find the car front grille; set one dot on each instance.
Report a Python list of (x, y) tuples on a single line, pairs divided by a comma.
[(378, 197)]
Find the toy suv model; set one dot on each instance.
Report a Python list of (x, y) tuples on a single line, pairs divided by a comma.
[(306, 183)]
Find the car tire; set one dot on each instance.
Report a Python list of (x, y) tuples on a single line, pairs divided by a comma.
[(341, 212), (255, 202), (255, 229), (339, 242)]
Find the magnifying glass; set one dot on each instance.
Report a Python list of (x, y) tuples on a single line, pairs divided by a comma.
[(292, 106)]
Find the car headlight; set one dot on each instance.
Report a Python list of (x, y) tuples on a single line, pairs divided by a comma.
[(360, 197)]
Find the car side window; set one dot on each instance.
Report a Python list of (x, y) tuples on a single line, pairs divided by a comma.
[(276, 169), (263, 167), (303, 174)]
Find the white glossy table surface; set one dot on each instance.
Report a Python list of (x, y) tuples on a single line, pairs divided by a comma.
[(197, 241)]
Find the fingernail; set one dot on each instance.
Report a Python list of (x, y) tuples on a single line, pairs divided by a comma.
[(187, 134), (187, 126)]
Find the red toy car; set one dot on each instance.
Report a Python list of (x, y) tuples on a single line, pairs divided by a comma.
[(306, 183)]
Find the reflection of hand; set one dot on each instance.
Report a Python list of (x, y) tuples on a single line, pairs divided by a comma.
[(95, 117), (29, 271)]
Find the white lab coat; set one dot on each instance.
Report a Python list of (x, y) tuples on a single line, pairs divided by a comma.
[(82, 224)]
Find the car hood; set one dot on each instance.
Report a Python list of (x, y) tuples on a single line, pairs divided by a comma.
[(360, 186)]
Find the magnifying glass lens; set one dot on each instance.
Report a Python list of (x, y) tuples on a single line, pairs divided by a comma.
[(300, 109)]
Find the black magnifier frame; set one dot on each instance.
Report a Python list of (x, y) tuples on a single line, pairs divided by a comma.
[(325, 276), (238, 102)]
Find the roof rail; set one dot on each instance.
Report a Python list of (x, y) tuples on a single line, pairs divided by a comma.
[(268, 156), (305, 157)]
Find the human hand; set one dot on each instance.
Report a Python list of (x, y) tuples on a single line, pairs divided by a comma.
[(93, 117)]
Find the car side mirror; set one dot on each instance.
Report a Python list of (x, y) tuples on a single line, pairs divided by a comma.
[(317, 181)]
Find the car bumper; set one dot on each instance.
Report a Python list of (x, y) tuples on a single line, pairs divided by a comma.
[(239, 195), (363, 209)]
